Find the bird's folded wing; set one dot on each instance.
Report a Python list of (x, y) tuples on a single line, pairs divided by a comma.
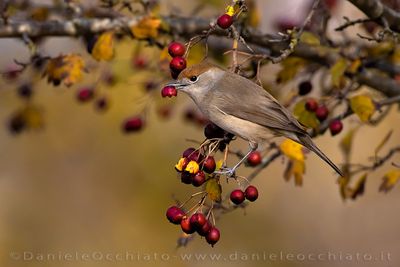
[(252, 103)]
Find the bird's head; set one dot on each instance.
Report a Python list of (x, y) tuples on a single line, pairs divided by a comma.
[(198, 79)]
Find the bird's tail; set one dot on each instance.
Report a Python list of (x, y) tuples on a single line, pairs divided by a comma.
[(306, 141)]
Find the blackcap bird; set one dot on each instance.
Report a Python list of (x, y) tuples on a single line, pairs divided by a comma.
[(243, 108)]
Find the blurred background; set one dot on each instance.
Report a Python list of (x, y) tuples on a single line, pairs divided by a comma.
[(80, 185)]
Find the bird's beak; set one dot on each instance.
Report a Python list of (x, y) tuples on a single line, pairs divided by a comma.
[(177, 85)]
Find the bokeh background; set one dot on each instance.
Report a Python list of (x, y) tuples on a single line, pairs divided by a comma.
[(81, 185)]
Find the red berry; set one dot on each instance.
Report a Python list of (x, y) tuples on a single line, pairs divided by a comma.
[(237, 196), (177, 64), (331, 3), (209, 164), (175, 215), (133, 124), (203, 231), (284, 24), (176, 49), (322, 113), (305, 87), (251, 193), (199, 179), (169, 91), (212, 131), (139, 62), (186, 177), (254, 158), (335, 127), (213, 236), (187, 226), (197, 220), (311, 104), (85, 94), (225, 21)]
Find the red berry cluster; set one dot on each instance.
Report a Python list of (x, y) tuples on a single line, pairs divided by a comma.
[(87, 94), (178, 62), (322, 113), (237, 196), (197, 222)]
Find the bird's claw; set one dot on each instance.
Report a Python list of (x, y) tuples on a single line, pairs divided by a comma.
[(226, 171)]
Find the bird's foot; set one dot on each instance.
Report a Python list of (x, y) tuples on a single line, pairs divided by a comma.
[(229, 172)]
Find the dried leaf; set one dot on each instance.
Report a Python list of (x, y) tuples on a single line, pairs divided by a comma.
[(354, 66), (67, 69), (309, 38), (337, 72), (213, 189), (304, 116), (363, 106), (146, 28), (103, 49), (383, 142), (297, 169), (290, 67), (292, 150), (389, 180), (359, 188), (347, 141)]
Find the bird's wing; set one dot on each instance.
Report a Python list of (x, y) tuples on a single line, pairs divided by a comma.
[(252, 103)]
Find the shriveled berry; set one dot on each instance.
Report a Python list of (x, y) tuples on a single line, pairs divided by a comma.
[(322, 113), (85, 94), (177, 64), (175, 74), (335, 126), (102, 104), (199, 179), (251, 193), (254, 158), (213, 236), (176, 49), (25, 91), (305, 87), (203, 231), (169, 91), (212, 131), (133, 124), (237, 196), (187, 226), (209, 164), (17, 124), (225, 21), (175, 214), (186, 177), (311, 104), (197, 220)]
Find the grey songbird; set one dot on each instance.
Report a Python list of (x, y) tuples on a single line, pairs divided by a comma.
[(243, 108)]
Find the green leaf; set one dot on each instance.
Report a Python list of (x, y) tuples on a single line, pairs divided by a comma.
[(304, 116), (363, 106), (213, 189)]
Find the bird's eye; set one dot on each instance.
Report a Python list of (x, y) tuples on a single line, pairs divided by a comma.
[(193, 78)]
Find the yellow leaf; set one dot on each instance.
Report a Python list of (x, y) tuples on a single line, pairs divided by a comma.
[(213, 189), (103, 49), (363, 106), (304, 116), (337, 72), (292, 150), (219, 164), (146, 28), (389, 180), (354, 66), (309, 38), (297, 169), (290, 67), (67, 69)]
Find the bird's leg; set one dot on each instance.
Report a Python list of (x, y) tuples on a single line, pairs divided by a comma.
[(231, 171)]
